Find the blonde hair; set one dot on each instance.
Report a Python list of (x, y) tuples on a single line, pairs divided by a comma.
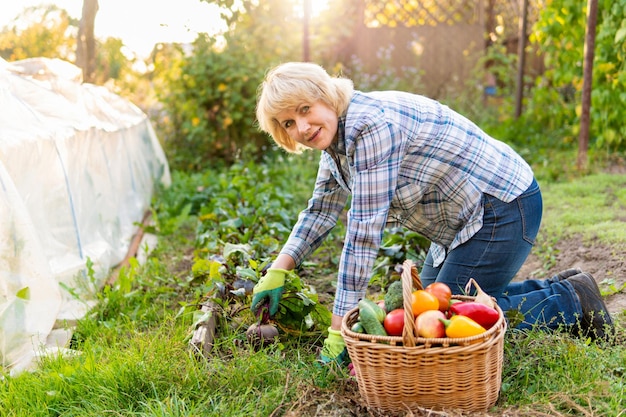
[(289, 85)]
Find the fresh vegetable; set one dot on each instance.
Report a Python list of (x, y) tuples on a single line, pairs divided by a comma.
[(358, 327), (369, 305), (481, 296), (462, 326), (482, 314), (394, 322), (371, 317), (260, 335), (442, 292), (393, 297), (423, 301), (428, 324)]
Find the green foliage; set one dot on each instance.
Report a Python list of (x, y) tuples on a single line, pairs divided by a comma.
[(555, 101), (472, 101), (51, 33), (398, 244), (209, 96), (546, 134), (609, 77), (242, 213), (300, 309), (210, 101), (130, 355), (48, 31), (116, 68), (544, 370), (247, 204)]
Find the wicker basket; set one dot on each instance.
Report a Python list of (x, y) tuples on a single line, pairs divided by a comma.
[(404, 373)]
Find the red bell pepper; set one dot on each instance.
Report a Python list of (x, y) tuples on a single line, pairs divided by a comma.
[(482, 314)]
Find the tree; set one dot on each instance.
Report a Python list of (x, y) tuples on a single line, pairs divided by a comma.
[(559, 33), (39, 32), (590, 41), (86, 42)]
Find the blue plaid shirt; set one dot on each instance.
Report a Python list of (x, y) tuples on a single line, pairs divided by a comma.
[(405, 160)]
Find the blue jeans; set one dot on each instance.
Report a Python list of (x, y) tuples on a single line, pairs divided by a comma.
[(496, 253)]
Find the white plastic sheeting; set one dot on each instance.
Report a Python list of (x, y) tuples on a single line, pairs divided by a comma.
[(78, 167)]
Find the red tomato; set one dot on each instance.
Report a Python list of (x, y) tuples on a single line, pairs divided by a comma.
[(394, 322), (442, 292)]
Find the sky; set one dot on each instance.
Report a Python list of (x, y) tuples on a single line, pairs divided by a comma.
[(139, 23)]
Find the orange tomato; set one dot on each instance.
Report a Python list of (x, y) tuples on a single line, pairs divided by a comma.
[(423, 301), (442, 292)]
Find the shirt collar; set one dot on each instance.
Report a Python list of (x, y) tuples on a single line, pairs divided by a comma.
[(339, 145)]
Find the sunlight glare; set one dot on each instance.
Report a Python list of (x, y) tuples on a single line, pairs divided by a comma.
[(317, 7)]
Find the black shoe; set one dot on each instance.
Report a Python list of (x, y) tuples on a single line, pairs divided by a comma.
[(568, 273), (596, 321)]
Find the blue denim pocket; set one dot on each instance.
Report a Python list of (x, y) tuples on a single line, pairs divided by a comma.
[(530, 205)]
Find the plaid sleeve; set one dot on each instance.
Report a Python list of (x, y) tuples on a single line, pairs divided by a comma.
[(376, 165), (315, 222)]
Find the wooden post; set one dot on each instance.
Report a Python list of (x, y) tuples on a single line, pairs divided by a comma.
[(590, 41), (521, 47)]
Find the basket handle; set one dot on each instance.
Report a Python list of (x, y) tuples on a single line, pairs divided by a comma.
[(410, 279)]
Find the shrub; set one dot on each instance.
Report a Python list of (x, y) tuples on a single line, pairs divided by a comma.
[(210, 103)]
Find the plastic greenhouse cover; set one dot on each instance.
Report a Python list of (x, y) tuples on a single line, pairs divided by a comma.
[(78, 168)]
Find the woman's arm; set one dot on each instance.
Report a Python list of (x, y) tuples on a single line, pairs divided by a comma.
[(284, 261)]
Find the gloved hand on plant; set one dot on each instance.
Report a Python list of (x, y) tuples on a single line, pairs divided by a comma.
[(334, 349), (269, 289)]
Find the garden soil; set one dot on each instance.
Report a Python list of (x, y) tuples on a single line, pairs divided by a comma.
[(607, 265)]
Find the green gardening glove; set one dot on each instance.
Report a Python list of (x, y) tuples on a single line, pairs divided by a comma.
[(270, 287), (334, 349)]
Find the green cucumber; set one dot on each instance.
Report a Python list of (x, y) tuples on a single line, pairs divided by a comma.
[(372, 316), (358, 327)]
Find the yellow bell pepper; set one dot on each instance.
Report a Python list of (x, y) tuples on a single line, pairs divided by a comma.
[(461, 326)]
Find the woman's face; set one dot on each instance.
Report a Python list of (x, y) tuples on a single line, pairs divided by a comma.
[(313, 125)]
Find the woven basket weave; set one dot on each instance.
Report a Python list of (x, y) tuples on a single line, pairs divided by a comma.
[(405, 373)]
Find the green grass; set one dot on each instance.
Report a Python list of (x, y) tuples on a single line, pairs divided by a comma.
[(591, 207), (132, 358), (563, 376)]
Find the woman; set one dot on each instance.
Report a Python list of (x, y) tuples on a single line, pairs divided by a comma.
[(406, 160)]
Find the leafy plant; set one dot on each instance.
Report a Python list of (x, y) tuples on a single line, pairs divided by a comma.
[(398, 245), (210, 103), (133, 344), (555, 99), (299, 309)]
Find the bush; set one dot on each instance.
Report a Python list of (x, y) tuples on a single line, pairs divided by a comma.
[(210, 104), (559, 33)]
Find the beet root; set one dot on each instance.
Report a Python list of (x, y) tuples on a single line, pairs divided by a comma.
[(260, 335)]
